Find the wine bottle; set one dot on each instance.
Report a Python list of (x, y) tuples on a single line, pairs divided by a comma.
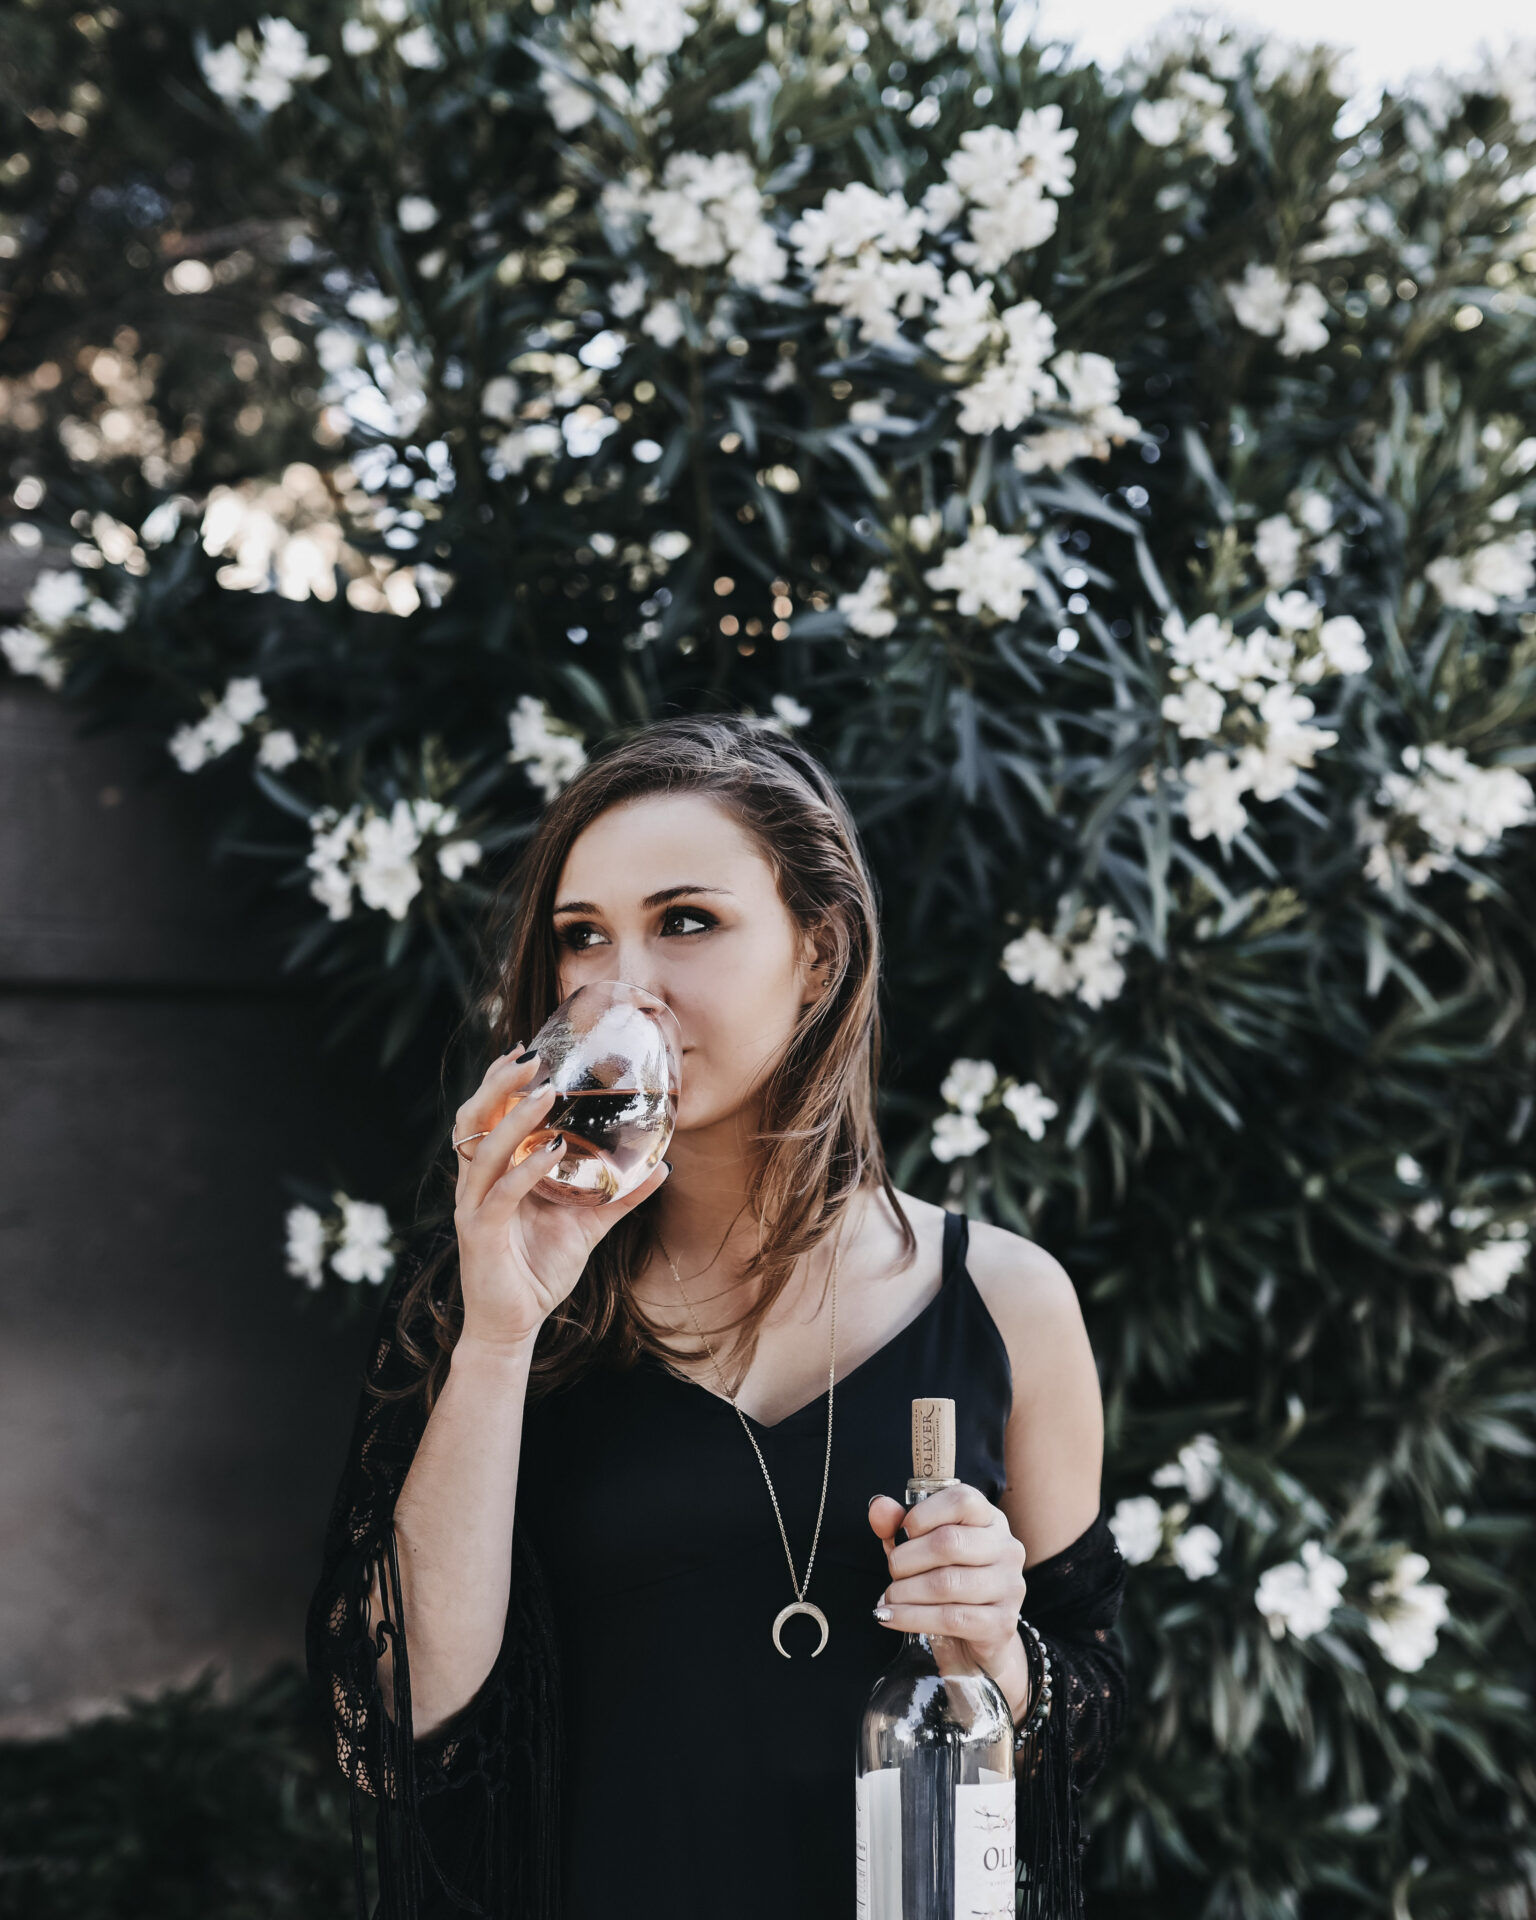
[(934, 1786)]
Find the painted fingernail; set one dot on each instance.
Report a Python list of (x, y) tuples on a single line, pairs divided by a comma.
[(872, 1499), (668, 1165), (558, 1141), (882, 1613), (531, 1054)]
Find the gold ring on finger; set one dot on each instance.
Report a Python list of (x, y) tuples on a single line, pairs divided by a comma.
[(459, 1145)]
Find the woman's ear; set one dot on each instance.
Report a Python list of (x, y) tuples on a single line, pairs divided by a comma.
[(817, 961)]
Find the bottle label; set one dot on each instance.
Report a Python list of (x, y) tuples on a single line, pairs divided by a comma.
[(984, 1850), (877, 1857)]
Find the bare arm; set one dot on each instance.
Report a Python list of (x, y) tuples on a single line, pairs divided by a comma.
[(453, 1530)]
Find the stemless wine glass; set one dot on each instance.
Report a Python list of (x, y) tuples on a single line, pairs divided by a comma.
[(614, 1053)]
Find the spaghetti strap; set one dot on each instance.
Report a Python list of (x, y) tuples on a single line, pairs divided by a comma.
[(957, 1235)]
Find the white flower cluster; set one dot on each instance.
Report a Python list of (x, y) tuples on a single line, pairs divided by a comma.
[(1479, 581), (1081, 961), (708, 211), (1407, 1614), (1488, 1268), (377, 854), (1266, 302), (1299, 1596), (1289, 545), (649, 29), (365, 30), (1140, 1523), (1013, 382), (357, 1236), (223, 726), (1458, 807), (860, 245), (1194, 114), (1088, 392), (1264, 669), (551, 755), (57, 600), (967, 1085), (261, 66), (868, 609), (1004, 180), (788, 713), (987, 573)]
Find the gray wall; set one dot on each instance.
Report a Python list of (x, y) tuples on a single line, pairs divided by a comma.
[(173, 1406)]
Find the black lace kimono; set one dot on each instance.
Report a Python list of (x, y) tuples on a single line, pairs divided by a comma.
[(467, 1822)]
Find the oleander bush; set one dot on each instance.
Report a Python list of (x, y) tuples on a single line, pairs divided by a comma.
[(1126, 482)]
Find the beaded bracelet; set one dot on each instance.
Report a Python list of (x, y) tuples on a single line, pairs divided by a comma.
[(1039, 1662)]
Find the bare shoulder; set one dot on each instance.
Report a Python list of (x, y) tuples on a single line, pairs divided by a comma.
[(1028, 1292)]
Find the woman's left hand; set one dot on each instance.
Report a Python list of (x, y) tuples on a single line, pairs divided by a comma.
[(960, 1571)]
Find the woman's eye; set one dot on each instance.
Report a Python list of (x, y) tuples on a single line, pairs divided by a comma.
[(570, 936)]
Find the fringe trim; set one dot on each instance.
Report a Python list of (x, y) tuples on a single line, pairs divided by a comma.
[(1049, 1827)]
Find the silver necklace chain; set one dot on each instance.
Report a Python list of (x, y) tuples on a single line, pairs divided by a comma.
[(831, 1381)]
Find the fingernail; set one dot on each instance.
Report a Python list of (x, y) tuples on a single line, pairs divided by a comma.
[(668, 1165), (872, 1499), (882, 1613), (531, 1054)]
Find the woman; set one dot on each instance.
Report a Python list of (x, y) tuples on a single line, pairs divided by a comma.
[(544, 1627)]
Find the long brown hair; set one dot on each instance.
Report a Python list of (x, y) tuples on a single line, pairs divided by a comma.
[(819, 1135)]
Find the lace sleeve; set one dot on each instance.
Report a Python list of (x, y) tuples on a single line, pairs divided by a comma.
[(466, 1820), (1073, 1600)]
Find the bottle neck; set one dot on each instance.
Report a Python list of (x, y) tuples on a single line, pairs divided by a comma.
[(919, 1488)]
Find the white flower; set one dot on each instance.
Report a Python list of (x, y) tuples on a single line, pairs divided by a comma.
[(1198, 710), (988, 573), (1030, 1107), (262, 71), (859, 244), (364, 1251), (1212, 800), (708, 211), (1006, 176), (1017, 384), (957, 1135), (585, 429), (1408, 1613), (551, 757), (668, 546), (1277, 548), (1488, 1269), (968, 1083), (193, 745), (789, 711), (1264, 301), (1300, 1595), (1342, 640), (1197, 1550), (455, 855), (419, 48), (1478, 581), (1159, 122), (963, 320), (305, 1245), (1137, 1524), (650, 29), (386, 874), (57, 595), (665, 323), (278, 749), (1461, 808), (1194, 1469), (29, 652), (570, 105), (416, 213), (868, 610), (358, 38), (1081, 962)]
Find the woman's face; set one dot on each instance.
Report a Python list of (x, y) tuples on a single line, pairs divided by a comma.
[(671, 894)]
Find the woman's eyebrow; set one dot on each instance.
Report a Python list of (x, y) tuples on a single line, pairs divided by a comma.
[(650, 900)]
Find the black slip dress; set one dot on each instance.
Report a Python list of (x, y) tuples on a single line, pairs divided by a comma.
[(705, 1774)]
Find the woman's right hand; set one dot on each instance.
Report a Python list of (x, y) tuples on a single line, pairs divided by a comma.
[(519, 1255)]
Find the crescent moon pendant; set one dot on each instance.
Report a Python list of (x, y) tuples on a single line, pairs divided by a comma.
[(800, 1606)]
